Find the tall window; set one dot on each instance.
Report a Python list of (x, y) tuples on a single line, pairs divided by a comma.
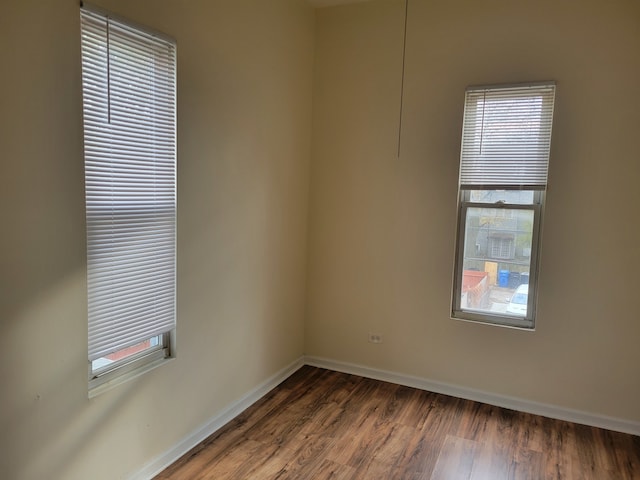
[(129, 107), (504, 160)]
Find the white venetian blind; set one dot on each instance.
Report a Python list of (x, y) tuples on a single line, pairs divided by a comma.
[(506, 137), (129, 101)]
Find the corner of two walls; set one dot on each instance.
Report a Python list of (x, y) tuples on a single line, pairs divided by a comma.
[(244, 115), (382, 226), (377, 255)]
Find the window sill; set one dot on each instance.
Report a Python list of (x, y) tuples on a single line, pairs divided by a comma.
[(495, 321), (124, 374)]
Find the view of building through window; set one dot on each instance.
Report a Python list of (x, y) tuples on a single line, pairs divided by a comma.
[(126, 353), (497, 250), (504, 159)]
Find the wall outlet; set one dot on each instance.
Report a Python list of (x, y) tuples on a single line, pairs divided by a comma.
[(375, 338)]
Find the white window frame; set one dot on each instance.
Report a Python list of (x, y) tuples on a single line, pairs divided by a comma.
[(129, 116), (473, 178)]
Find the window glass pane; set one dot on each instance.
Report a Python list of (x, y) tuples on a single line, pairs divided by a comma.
[(121, 356), (497, 260), (514, 197)]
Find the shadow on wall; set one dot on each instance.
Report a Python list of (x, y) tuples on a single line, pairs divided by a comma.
[(45, 408)]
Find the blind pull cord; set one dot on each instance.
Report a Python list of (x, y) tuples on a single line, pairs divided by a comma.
[(404, 52), (108, 72), (484, 105)]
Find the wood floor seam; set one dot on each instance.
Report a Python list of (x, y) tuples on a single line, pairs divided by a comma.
[(321, 424)]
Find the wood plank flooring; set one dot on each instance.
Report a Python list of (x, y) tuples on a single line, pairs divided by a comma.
[(320, 424)]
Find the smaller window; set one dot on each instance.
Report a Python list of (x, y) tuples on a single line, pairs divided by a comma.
[(501, 246), (503, 176)]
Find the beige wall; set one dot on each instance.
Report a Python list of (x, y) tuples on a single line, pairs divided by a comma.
[(382, 227), (244, 108)]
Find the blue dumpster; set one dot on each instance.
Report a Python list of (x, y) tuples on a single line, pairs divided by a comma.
[(503, 278), (514, 279), (524, 278)]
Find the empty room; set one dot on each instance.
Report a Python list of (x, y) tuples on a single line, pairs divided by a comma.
[(349, 239)]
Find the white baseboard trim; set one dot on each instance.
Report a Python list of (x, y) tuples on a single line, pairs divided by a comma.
[(165, 459), (513, 403)]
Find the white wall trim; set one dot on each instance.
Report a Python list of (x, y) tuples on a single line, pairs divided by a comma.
[(223, 417), (165, 459), (513, 403)]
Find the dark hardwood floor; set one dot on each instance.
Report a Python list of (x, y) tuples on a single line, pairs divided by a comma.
[(320, 424)]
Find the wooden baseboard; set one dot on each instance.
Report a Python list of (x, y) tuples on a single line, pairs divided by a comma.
[(519, 404)]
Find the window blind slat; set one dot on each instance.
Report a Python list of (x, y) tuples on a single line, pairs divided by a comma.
[(129, 107), (506, 137)]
